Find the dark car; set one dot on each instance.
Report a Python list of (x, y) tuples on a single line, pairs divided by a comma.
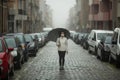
[(35, 38), (104, 48), (31, 48), (85, 42), (21, 43), (83, 38)]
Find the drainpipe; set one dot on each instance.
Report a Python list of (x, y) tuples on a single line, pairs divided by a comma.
[(2, 16)]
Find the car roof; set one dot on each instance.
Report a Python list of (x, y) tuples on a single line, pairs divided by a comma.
[(14, 34), (7, 36), (102, 31)]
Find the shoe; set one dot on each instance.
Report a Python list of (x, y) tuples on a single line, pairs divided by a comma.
[(61, 68)]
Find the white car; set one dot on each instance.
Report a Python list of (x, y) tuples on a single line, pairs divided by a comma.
[(95, 37), (115, 48)]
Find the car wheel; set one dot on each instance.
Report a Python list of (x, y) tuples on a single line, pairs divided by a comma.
[(18, 66), (22, 60), (26, 58), (84, 45), (110, 59), (34, 54), (102, 58), (89, 49), (117, 63), (7, 76), (96, 50), (98, 57), (12, 71)]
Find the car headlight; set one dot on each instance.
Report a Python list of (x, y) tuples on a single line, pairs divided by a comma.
[(40, 39), (32, 45), (1, 61)]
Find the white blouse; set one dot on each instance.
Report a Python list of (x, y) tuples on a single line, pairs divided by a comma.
[(62, 44)]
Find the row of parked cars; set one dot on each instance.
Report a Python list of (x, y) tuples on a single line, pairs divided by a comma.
[(102, 43), (15, 49)]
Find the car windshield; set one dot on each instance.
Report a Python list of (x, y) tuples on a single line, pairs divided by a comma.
[(108, 40), (33, 36), (102, 35), (10, 42), (1, 49), (28, 38), (21, 38)]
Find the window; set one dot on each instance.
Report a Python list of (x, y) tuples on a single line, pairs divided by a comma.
[(1, 48), (10, 42)]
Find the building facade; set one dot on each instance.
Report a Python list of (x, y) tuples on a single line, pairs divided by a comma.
[(4, 16), (17, 15)]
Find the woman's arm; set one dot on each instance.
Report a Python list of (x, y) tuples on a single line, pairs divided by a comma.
[(58, 42)]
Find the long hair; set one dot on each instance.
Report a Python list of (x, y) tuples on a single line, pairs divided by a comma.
[(61, 32)]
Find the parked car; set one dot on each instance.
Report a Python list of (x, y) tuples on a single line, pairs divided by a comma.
[(115, 48), (6, 60), (94, 39), (36, 40), (21, 43), (85, 42), (30, 45), (104, 48), (78, 38), (83, 38)]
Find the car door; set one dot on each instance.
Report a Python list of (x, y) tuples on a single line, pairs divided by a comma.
[(93, 41), (114, 45), (9, 56), (90, 40)]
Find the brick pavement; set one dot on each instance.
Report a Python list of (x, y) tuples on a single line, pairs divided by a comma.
[(79, 65)]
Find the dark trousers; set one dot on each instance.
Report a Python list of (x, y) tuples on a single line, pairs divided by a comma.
[(61, 57)]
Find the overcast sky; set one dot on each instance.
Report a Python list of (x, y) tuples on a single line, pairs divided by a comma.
[(60, 11)]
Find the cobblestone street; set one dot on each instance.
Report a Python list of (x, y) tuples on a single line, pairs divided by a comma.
[(79, 65)]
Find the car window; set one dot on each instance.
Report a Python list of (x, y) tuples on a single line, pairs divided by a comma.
[(103, 35), (33, 36), (115, 37), (1, 48), (21, 38), (95, 36), (10, 42), (108, 40), (28, 38)]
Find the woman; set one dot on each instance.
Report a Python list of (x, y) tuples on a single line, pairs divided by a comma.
[(62, 44)]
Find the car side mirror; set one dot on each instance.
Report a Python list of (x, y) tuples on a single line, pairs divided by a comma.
[(114, 42), (101, 42), (10, 49), (93, 39), (14, 53)]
